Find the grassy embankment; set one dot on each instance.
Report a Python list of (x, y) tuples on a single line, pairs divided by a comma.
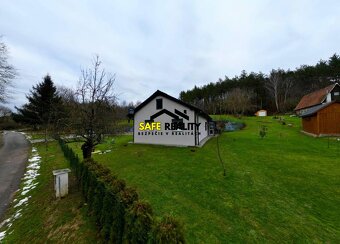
[(46, 219), (283, 188)]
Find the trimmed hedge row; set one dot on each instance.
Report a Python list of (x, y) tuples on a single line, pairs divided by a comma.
[(120, 215)]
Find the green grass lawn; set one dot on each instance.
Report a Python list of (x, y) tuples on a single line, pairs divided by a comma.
[(46, 219), (283, 188)]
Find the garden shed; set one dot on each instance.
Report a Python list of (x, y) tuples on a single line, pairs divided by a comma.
[(320, 111), (261, 113)]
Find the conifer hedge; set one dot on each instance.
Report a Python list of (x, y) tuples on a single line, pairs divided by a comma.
[(119, 214)]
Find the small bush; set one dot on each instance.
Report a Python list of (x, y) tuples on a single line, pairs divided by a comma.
[(168, 230), (118, 221), (263, 131), (84, 182), (106, 217), (138, 221), (8, 125), (98, 201), (123, 200), (117, 185), (128, 196), (92, 185)]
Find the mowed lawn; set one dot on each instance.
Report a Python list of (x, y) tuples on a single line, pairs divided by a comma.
[(283, 188), (46, 219)]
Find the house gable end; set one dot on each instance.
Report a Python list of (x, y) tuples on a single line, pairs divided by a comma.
[(315, 98), (159, 93)]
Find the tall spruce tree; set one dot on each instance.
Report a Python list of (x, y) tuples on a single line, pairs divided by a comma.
[(43, 108)]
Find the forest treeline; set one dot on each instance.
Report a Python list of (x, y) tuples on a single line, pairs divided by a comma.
[(278, 92)]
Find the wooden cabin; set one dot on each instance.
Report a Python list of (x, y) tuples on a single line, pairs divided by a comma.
[(320, 111)]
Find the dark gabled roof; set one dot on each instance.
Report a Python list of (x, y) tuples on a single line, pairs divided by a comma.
[(313, 110), (315, 98), (160, 93), (164, 111)]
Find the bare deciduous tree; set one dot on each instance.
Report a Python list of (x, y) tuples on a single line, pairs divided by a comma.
[(95, 105), (67, 94), (6, 121), (239, 101), (287, 85), (7, 73), (5, 111), (273, 85), (279, 86), (68, 100)]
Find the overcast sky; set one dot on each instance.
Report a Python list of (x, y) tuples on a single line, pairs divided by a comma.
[(167, 45)]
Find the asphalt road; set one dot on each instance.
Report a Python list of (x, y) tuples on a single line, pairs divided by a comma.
[(13, 158)]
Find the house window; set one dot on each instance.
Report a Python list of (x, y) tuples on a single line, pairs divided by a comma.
[(336, 93), (185, 111), (159, 103)]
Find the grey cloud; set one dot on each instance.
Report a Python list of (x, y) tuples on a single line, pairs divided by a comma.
[(168, 45)]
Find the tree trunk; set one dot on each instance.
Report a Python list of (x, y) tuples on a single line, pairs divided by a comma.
[(46, 143), (276, 101), (87, 148)]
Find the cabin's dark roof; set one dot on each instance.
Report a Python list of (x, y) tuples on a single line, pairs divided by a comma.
[(313, 110), (160, 93), (315, 98)]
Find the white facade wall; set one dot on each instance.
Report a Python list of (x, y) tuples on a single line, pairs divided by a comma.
[(204, 128), (167, 137), (262, 113)]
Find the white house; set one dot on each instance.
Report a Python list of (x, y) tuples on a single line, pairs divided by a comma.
[(163, 119)]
